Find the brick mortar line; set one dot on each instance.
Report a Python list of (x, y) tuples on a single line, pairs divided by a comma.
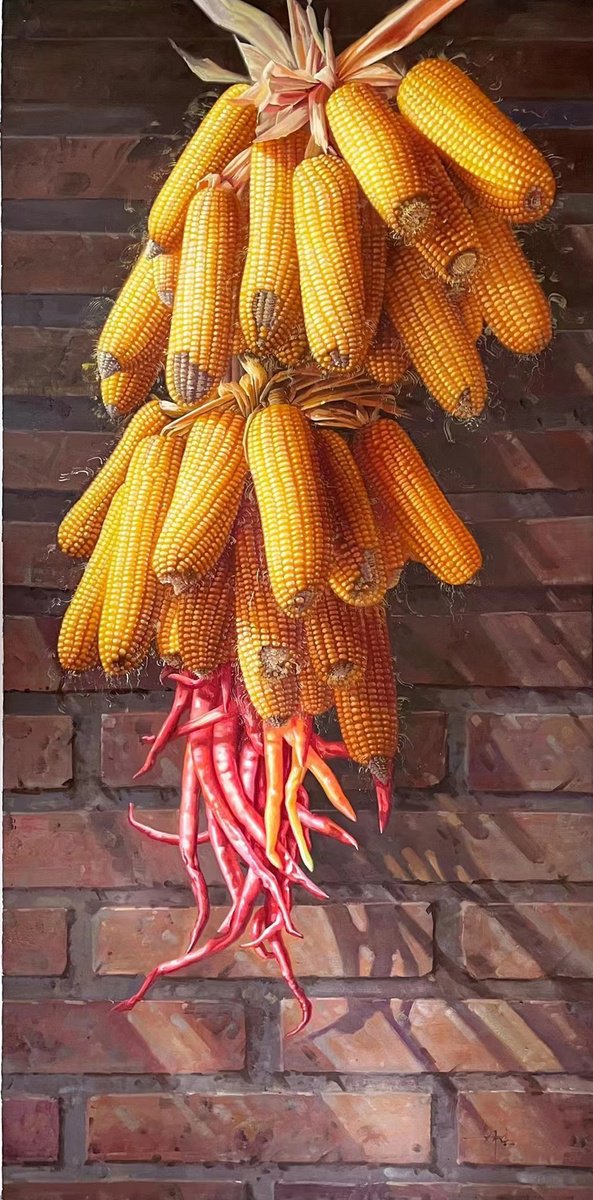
[(286, 1083)]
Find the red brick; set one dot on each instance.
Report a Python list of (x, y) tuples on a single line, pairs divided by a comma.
[(45, 461), (41, 168), (74, 1037), (422, 761), (35, 941), (297, 1127), (523, 460), (32, 558), (37, 752), (168, 1189), (448, 847), (48, 362), (549, 650), (30, 663), (90, 849), (528, 941), (417, 1036), (514, 1128), (31, 1127), (521, 752), (70, 262), (539, 552), (414, 1191), (378, 940)]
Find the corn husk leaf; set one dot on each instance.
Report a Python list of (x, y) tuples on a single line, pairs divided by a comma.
[(206, 69), (250, 25), (409, 22)]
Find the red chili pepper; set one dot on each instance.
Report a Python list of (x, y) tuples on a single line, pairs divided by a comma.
[(241, 917), (273, 758), (157, 835), (319, 823), (248, 767), (180, 703), (188, 844), (252, 724), (209, 718), (384, 794), (329, 749)]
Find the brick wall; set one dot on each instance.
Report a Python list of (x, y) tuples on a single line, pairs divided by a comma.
[(450, 1055)]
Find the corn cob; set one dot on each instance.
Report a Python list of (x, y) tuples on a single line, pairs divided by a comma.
[(486, 148), (432, 531), (434, 336), (395, 552), (367, 712), (387, 361), (203, 309), (137, 325), (511, 300), (296, 349), (81, 526), (269, 297), (198, 524), (315, 697), (376, 143), (165, 269), (374, 255), (449, 242), (328, 239), (129, 611), (226, 130), (357, 573), (283, 462), (125, 391), (207, 619), (335, 641), (168, 643), (268, 642), (468, 306), (78, 645)]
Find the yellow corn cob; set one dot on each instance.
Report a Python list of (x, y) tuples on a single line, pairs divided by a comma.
[(125, 391), (434, 336), (374, 255), (168, 634), (203, 309), (269, 296), (433, 532), (283, 462), (469, 308), (315, 697), (137, 325), (387, 361), (129, 610), (449, 242), (81, 526), (142, 649), (357, 573), (395, 552), (226, 130), (296, 347), (511, 300), (207, 619), (78, 645), (207, 496), (165, 269), (376, 143), (335, 640), (367, 712), (328, 238), (268, 642), (486, 148)]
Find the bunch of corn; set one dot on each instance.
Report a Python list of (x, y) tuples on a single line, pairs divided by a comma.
[(305, 256), (376, 239)]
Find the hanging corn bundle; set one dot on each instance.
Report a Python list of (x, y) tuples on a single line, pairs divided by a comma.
[(338, 227)]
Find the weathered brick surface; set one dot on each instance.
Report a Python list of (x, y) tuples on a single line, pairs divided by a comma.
[(541, 552), (31, 1129), (59, 1037), (68, 262), (47, 362), (528, 941), (423, 1191), (35, 941), (550, 1129), (53, 462), (422, 761), (89, 849), (339, 941), (145, 1190), (32, 558), (366, 1127), (513, 752), (47, 167), (420, 1036), (37, 752)]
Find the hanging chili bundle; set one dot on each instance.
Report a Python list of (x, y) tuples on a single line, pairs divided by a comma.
[(330, 227)]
